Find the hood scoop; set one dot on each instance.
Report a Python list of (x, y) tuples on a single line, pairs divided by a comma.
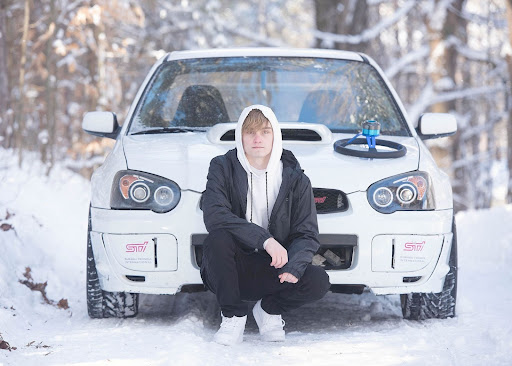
[(308, 132)]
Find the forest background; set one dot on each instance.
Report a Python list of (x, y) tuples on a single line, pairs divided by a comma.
[(62, 58)]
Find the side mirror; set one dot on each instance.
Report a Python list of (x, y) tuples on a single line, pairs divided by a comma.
[(434, 125), (102, 124)]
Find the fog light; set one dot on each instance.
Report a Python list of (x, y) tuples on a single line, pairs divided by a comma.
[(164, 196), (383, 197), (406, 193), (139, 192)]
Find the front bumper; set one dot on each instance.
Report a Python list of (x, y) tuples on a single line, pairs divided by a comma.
[(131, 245)]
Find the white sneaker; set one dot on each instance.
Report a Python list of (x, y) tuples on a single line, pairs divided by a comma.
[(271, 326), (231, 330)]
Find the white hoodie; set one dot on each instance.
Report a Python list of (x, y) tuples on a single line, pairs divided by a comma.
[(265, 183)]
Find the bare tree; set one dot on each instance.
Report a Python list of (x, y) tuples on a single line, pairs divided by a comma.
[(445, 30), (48, 143), (5, 97), (509, 129), (20, 115), (345, 17)]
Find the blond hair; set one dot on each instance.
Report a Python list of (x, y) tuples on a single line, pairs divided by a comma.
[(254, 121)]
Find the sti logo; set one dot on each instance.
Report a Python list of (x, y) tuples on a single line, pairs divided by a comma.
[(414, 247), (136, 248), (320, 199)]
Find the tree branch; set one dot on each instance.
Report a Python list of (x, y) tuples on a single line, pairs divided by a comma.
[(368, 34)]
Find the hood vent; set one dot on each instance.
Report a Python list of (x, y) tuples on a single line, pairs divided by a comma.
[(306, 132), (291, 134)]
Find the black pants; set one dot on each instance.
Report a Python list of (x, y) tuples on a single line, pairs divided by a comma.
[(236, 276)]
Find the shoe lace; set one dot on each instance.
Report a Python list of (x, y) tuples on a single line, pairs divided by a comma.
[(230, 323), (273, 321)]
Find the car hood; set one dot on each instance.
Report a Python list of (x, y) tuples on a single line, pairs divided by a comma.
[(185, 159)]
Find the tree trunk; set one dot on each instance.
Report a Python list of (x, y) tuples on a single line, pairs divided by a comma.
[(20, 115), (353, 20), (509, 129), (4, 76), (342, 17), (462, 173), (443, 55), (262, 16), (324, 11), (50, 91)]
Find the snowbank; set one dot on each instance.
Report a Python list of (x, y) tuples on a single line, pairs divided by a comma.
[(45, 229)]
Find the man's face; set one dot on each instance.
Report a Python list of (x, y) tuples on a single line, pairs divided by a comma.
[(258, 143)]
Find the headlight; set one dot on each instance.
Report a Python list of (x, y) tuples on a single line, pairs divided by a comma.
[(143, 191), (383, 197), (405, 192)]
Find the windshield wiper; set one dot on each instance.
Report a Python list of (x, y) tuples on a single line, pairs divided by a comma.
[(169, 130)]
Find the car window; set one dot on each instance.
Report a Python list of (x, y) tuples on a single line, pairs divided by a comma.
[(203, 92)]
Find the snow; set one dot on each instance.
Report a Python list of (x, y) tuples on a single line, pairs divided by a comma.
[(438, 14), (398, 65), (49, 217), (428, 97)]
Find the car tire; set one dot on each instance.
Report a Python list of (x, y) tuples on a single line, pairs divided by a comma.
[(104, 304), (421, 306)]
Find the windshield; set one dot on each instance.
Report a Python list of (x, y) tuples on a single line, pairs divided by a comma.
[(199, 93)]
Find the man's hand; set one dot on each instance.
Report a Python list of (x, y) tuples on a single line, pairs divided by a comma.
[(277, 252), (288, 277)]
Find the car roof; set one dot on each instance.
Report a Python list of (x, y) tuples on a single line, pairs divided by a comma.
[(266, 51)]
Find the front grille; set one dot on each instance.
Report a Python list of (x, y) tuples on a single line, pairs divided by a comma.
[(334, 257), (330, 200), (411, 279), (198, 254), (136, 278), (336, 251), (197, 243)]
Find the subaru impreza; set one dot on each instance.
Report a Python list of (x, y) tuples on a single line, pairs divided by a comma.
[(385, 210)]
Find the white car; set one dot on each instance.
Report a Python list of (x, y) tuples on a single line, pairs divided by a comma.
[(385, 211)]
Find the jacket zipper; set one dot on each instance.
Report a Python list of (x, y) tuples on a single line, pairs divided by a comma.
[(277, 205)]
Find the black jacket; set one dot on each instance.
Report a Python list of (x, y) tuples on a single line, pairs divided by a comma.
[(293, 221)]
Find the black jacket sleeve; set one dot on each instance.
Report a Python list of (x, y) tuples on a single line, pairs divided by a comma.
[(303, 230), (218, 210)]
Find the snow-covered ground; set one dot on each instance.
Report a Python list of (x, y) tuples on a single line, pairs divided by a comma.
[(43, 223)]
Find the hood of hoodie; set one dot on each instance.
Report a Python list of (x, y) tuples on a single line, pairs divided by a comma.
[(277, 146)]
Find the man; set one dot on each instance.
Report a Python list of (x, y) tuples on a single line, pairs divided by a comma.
[(259, 210)]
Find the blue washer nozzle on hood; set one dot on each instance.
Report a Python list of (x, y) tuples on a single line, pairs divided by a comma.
[(371, 129)]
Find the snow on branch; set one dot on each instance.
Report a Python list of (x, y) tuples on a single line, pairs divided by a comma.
[(466, 93), (480, 157), (480, 56), (271, 42), (497, 21), (182, 26), (66, 10), (422, 103), (472, 54), (368, 34), (428, 97), (407, 60), (481, 128), (77, 165), (377, 2)]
